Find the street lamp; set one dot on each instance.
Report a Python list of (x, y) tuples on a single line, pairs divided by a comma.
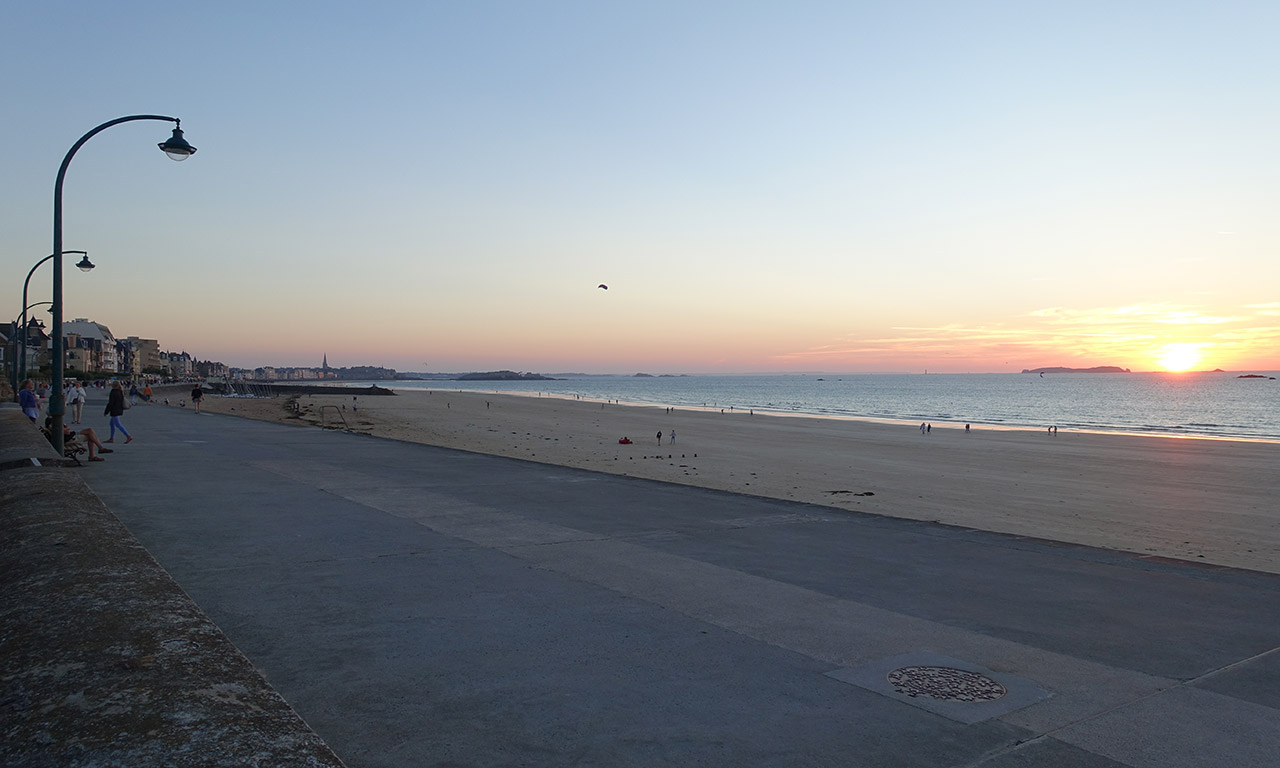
[(85, 265), (176, 148), (21, 330)]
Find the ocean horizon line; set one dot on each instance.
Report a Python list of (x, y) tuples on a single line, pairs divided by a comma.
[(1207, 405)]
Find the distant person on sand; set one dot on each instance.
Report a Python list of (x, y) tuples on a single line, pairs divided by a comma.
[(115, 409), (673, 435), (197, 394), (659, 437)]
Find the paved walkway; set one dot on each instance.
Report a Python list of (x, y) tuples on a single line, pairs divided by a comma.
[(421, 606)]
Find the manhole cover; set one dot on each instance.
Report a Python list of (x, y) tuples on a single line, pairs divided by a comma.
[(945, 684)]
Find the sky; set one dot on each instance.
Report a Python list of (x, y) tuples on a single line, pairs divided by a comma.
[(777, 186)]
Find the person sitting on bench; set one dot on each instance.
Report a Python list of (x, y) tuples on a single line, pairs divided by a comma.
[(87, 434)]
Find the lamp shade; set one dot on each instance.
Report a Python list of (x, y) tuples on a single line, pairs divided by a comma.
[(85, 265), (177, 147)]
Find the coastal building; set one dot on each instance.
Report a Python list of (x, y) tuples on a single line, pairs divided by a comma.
[(209, 369), (90, 346), (141, 355), (176, 363), (37, 343), (35, 352)]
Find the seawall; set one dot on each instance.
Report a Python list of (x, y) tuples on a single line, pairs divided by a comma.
[(106, 661)]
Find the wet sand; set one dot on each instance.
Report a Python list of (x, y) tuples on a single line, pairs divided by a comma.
[(1208, 501)]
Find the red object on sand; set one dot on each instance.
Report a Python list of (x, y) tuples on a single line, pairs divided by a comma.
[(625, 441)]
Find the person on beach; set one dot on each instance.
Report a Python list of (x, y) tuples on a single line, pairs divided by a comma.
[(673, 435), (197, 394), (146, 394), (27, 400), (115, 409), (659, 437)]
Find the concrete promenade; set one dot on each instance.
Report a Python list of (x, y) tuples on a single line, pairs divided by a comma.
[(426, 607), (104, 661)]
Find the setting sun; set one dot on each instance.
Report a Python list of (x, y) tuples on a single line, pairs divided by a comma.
[(1178, 357)]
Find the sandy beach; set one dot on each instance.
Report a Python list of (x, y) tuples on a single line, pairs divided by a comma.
[(1207, 501)]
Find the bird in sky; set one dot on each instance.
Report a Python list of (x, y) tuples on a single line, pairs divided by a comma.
[(602, 285)]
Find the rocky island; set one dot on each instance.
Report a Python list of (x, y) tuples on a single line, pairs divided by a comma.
[(503, 376), (1095, 369)]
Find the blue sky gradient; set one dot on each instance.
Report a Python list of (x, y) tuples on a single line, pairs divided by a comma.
[(978, 186)]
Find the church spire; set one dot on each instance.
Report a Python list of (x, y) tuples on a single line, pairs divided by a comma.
[(325, 366)]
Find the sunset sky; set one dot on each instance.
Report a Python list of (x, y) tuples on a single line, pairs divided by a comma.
[(799, 186)]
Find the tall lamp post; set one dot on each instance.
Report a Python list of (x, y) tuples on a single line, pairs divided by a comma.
[(85, 265), (176, 148)]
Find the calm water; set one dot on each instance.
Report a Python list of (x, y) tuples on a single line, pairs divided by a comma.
[(1204, 404)]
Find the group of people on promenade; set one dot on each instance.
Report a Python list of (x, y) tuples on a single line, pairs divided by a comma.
[(76, 395)]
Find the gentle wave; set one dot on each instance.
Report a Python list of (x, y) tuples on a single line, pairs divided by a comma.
[(1216, 405)]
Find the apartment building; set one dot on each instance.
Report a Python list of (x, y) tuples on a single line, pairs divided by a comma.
[(141, 355), (90, 346)]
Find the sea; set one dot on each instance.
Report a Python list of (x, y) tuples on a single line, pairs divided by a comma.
[(1209, 404)]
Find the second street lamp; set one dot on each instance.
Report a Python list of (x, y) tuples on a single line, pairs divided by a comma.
[(21, 333), (21, 368)]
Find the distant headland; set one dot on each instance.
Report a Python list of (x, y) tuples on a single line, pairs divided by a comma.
[(503, 376), (1095, 369)]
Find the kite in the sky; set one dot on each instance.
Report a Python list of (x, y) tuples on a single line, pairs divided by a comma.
[(602, 285)]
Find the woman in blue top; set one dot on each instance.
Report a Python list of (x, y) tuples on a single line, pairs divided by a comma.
[(27, 400)]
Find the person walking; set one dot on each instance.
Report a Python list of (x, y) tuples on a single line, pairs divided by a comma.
[(197, 394), (659, 438), (115, 409), (27, 400), (75, 398)]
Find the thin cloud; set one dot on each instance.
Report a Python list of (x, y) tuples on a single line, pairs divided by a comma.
[(1125, 333)]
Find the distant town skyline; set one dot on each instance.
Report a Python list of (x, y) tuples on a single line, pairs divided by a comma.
[(859, 187)]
